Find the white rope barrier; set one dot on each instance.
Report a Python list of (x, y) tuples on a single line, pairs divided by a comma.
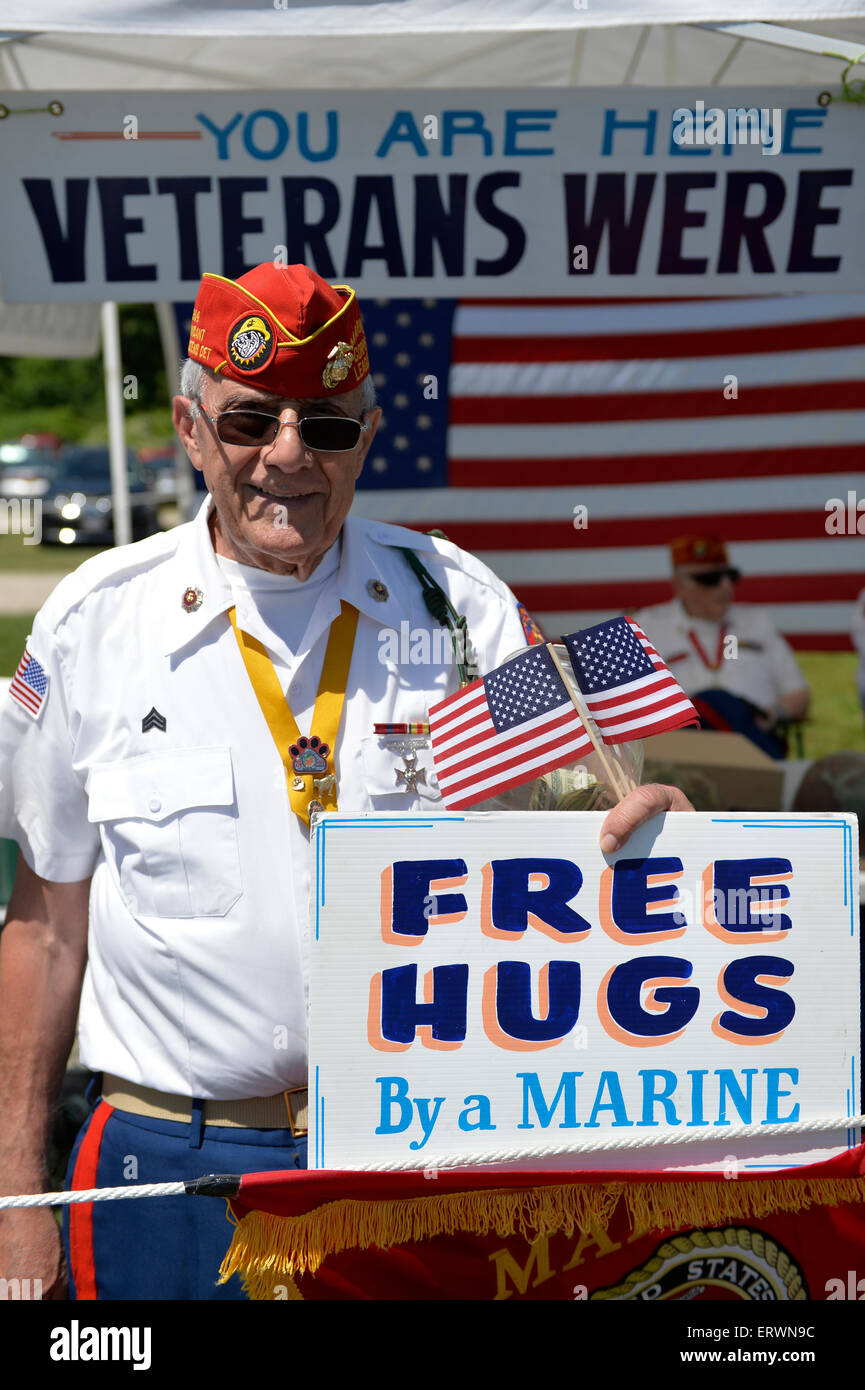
[(95, 1194), (226, 1185), (603, 1144)]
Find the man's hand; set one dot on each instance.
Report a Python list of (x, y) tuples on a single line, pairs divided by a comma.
[(635, 809), (43, 951), (30, 1249)]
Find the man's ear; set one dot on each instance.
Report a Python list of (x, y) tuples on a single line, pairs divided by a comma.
[(372, 422), (184, 424)]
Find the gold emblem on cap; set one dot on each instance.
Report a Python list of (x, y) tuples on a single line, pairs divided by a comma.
[(335, 369)]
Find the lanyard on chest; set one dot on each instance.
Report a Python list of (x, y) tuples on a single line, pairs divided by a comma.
[(701, 652), (309, 761)]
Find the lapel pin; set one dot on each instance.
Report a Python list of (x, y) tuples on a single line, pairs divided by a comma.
[(192, 600)]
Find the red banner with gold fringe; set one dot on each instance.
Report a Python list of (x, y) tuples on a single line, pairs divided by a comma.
[(472, 1233)]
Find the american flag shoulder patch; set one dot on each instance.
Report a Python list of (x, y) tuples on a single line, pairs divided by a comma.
[(29, 685)]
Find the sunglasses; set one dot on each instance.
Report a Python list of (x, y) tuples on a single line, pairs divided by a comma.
[(711, 578), (324, 434)]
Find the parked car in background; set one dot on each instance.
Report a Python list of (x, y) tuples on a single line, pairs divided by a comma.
[(25, 470), (77, 507), (161, 465)]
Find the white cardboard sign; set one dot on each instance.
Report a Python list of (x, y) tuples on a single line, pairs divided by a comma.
[(492, 984)]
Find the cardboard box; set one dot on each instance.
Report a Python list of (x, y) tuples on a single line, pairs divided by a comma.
[(745, 778)]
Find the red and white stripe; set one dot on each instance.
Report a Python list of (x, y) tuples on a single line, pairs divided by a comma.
[(619, 407), (648, 705), (473, 761)]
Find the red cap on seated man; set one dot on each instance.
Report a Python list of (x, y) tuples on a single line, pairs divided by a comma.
[(703, 578)]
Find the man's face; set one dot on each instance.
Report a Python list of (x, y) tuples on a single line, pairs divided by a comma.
[(705, 601), (278, 506)]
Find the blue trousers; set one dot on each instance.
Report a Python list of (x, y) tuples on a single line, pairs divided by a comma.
[(159, 1247)]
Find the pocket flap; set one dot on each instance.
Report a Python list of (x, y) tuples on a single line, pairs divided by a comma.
[(153, 786), (385, 768)]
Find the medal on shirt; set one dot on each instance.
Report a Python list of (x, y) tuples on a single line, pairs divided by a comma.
[(406, 739), (701, 652), (308, 761)]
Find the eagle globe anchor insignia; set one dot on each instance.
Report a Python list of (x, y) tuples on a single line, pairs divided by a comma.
[(308, 757)]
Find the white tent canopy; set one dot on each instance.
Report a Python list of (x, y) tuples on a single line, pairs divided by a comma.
[(291, 17), (421, 43)]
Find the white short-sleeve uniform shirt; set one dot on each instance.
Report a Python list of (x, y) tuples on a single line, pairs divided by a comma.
[(762, 668), (197, 970)]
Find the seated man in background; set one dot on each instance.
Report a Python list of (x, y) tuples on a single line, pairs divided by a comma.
[(728, 657)]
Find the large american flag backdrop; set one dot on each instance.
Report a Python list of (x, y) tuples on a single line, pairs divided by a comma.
[(502, 417)]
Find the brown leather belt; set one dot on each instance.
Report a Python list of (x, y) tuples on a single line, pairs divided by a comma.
[(286, 1110)]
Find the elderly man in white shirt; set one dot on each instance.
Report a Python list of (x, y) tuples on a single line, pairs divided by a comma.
[(727, 656), (185, 706)]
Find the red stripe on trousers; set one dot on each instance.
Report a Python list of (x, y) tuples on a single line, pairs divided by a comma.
[(81, 1216)]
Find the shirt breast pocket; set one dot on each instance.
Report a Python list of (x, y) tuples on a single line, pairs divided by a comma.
[(398, 779), (169, 830)]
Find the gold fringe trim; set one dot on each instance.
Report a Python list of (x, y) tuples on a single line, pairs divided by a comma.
[(269, 1251)]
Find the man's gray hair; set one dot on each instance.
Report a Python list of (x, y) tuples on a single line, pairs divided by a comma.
[(194, 377)]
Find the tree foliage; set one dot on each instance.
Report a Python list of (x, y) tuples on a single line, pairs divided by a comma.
[(67, 395)]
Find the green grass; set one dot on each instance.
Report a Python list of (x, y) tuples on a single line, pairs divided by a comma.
[(835, 720), (13, 634)]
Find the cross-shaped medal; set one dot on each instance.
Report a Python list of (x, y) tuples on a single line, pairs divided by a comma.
[(411, 774)]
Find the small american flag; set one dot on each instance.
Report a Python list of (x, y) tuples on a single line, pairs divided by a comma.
[(503, 730), (29, 684), (626, 687)]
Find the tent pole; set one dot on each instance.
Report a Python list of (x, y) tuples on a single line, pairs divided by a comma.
[(577, 62), (187, 499), (637, 54), (116, 423), (798, 39)]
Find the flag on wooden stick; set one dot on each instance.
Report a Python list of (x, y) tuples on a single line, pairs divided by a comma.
[(505, 729), (626, 687)]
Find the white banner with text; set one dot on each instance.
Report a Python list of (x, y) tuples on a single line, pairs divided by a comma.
[(581, 193)]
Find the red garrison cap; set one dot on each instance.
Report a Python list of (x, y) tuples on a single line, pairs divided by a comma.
[(282, 328), (699, 550)]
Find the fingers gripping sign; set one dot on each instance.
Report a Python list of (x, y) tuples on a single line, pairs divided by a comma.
[(635, 809)]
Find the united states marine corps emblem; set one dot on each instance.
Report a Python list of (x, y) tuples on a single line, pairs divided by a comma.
[(733, 1262), (251, 343), (533, 633), (335, 369)]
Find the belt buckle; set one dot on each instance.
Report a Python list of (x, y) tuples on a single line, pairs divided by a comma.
[(297, 1105)]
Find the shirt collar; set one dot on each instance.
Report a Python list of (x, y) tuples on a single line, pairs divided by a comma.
[(194, 567), (356, 582)]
